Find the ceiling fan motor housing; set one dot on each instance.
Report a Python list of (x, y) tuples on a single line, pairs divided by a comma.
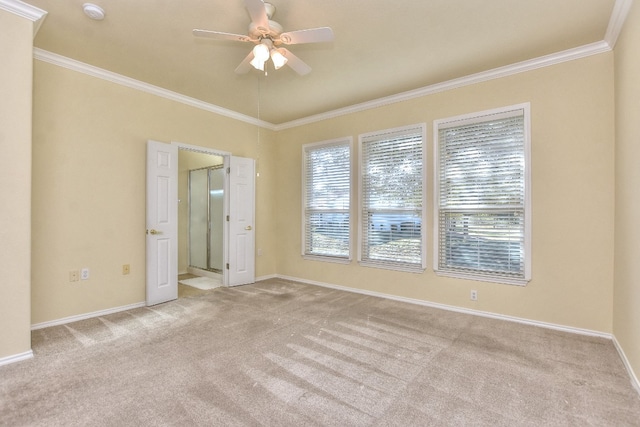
[(273, 31)]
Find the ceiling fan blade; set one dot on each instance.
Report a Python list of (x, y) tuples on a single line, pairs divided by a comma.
[(298, 65), (218, 35), (313, 35), (258, 14), (245, 65)]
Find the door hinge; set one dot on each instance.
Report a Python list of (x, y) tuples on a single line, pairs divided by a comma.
[(227, 218), (229, 170), (227, 266)]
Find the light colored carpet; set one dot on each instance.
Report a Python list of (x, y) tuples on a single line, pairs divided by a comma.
[(279, 353), (203, 283)]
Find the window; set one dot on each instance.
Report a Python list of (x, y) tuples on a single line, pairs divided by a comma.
[(392, 199), (482, 196), (326, 178)]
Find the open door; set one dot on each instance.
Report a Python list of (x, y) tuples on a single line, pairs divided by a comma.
[(241, 258), (162, 222)]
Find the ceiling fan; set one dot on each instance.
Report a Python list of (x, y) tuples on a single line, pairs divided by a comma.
[(268, 37)]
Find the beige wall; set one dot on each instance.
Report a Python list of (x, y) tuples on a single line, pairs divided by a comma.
[(572, 116), (15, 183), (88, 190), (188, 160), (89, 139), (626, 308)]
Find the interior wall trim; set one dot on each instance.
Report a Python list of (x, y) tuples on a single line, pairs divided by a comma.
[(266, 277), (634, 379), (81, 67), (496, 73), (16, 358), (618, 16), (484, 76), (463, 310), (616, 21), (85, 316), (632, 375), (25, 10)]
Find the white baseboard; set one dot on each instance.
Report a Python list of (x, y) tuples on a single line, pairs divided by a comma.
[(634, 379), (267, 277), (454, 308), (99, 313), (71, 319), (16, 358)]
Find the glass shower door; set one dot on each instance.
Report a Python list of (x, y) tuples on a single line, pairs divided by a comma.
[(198, 218), (206, 218)]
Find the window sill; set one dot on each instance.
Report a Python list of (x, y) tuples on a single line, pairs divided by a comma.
[(334, 260), (395, 267), (483, 278)]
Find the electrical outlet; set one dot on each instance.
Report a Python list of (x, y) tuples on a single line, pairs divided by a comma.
[(474, 295), (126, 269), (74, 276), (259, 251), (84, 274)]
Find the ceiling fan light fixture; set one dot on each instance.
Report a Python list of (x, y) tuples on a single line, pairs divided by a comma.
[(278, 58), (260, 56), (258, 65), (261, 52)]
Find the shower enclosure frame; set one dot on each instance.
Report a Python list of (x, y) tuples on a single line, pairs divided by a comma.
[(208, 271)]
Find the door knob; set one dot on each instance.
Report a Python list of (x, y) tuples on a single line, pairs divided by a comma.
[(152, 231), (248, 227)]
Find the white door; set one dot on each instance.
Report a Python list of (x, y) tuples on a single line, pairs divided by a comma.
[(162, 222), (241, 259)]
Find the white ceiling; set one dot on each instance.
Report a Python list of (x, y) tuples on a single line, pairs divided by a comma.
[(381, 48)]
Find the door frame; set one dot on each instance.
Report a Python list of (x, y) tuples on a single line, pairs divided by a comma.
[(226, 156)]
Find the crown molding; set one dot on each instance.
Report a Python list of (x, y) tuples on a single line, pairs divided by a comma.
[(25, 10), (618, 16), (496, 73), (81, 67)]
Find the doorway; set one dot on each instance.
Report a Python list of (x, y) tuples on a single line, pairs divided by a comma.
[(201, 211), (164, 225)]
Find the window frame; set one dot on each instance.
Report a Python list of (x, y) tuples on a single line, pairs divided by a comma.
[(473, 118), (345, 141), (397, 266)]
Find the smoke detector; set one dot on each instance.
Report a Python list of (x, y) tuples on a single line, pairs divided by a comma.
[(93, 11)]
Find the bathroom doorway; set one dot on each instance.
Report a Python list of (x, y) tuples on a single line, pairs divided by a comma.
[(201, 219), (167, 219)]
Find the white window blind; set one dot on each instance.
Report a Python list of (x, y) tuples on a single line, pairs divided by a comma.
[(482, 221), (392, 198), (327, 192)]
